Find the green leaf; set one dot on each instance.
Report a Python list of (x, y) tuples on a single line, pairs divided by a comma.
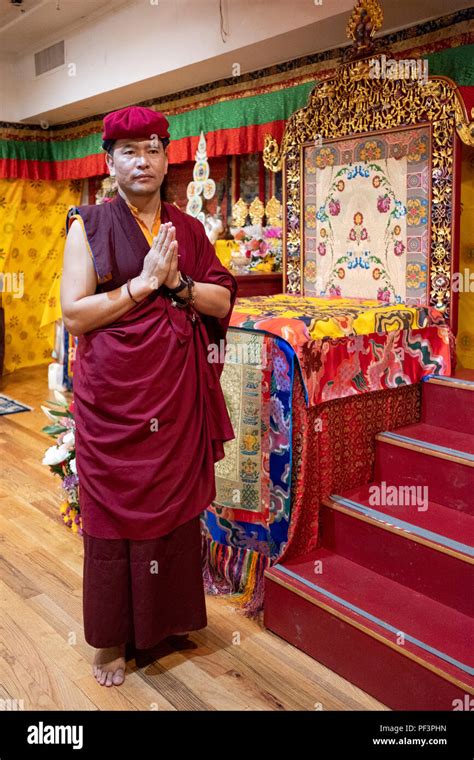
[(57, 469), (53, 429)]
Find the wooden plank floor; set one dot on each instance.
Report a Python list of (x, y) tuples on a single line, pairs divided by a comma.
[(233, 664)]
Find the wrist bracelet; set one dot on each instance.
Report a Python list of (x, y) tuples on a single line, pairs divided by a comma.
[(182, 284), (183, 301), (179, 302), (130, 293), (190, 282)]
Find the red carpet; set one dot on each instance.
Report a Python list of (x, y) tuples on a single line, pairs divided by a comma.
[(386, 600)]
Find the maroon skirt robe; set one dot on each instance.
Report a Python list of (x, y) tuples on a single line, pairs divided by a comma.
[(151, 421), (140, 592)]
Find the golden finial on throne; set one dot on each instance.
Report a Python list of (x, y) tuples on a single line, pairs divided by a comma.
[(365, 20)]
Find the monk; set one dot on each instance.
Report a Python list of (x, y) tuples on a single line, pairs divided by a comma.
[(145, 293)]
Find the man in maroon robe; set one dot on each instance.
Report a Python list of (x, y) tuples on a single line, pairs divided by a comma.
[(151, 419)]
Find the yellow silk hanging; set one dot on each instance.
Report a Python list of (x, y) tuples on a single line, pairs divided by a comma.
[(32, 227)]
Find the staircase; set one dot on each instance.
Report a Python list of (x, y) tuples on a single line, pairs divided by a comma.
[(387, 600)]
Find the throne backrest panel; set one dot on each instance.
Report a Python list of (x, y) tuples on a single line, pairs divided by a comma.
[(370, 191), (366, 216)]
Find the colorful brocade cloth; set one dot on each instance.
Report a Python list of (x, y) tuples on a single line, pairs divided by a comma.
[(287, 454), (349, 346)]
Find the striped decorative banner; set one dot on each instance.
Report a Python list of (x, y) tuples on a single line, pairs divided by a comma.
[(234, 114)]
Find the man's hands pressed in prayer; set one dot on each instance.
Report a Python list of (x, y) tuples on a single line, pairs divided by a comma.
[(160, 265), (84, 310)]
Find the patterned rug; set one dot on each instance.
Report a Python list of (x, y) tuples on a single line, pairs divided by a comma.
[(10, 406)]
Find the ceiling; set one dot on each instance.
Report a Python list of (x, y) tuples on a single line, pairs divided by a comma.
[(25, 28), (42, 23)]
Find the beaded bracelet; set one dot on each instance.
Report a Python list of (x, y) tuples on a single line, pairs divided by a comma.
[(130, 292), (182, 303)]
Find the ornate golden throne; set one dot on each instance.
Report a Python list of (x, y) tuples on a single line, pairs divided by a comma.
[(370, 180)]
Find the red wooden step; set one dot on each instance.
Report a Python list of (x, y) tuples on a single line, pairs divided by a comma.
[(430, 551), (448, 402), (424, 454), (441, 442), (406, 649)]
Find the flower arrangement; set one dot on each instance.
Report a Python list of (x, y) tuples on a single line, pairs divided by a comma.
[(61, 457), (263, 251)]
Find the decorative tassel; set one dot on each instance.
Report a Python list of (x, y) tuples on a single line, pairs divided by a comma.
[(236, 572)]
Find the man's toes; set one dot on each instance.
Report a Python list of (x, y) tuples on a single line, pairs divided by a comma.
[(103, 677), (118, 677), (108, 681)]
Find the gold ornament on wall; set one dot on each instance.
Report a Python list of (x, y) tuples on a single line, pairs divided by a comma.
[(240, 212), (464, 125), (256, 211), (274, 212)]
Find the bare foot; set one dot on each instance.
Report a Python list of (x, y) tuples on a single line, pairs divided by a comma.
[(109, 666)]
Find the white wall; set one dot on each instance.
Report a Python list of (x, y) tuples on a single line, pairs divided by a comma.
[(143, 42), (149, 48), (8, 110)]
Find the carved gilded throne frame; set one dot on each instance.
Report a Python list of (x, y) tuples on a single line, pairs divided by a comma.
[(355, 103)]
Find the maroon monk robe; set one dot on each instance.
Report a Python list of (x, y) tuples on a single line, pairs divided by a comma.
[(140, 592), (150, 414)]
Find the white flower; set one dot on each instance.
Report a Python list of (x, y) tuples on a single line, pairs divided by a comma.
[(69, 440), (55, 455), (61, 399), (48, 413), (72, 465)]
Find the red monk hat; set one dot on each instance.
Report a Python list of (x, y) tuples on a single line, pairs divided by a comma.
[(135, 122)]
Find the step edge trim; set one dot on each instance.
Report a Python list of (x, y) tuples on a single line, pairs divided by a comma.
[(271, 577), (435, 540), (424, 447), (453, 382), (374, 619)]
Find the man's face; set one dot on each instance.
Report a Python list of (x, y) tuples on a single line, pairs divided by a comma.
[(139, 165)]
